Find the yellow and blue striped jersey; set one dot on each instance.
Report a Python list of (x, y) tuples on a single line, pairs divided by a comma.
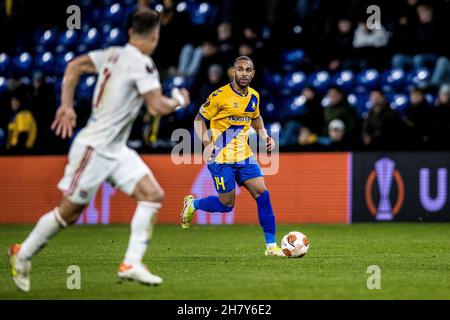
[(229, 115)]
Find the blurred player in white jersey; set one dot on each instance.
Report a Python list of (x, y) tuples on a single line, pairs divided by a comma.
[(127, 78)]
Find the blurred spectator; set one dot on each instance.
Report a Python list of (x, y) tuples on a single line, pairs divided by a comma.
[(440, 125), (225, 45), (339, 108), (304, 128), (22, 128), (214, 81), (418, 117), (192, 60), (370, 45), (441, 73), (337, 135), (42, 105), (175, 31), (383, 126), (424, 40), (342, 43)]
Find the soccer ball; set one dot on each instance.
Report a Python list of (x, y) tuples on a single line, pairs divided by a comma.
[(295, 244)]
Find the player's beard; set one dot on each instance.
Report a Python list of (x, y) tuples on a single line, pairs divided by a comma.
[(243, 86)]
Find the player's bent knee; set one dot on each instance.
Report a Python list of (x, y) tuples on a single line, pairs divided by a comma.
[(227, 205), (155, 195)]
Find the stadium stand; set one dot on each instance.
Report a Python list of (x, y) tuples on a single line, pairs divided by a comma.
[(318, 57)]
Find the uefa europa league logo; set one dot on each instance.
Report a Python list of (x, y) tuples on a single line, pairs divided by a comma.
[(385, 173)]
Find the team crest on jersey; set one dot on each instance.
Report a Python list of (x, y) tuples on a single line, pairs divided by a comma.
[(235, 105), (251, 106)]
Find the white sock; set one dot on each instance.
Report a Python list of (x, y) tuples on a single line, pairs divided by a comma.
[(48, 225), (142, 225), (270, 245)]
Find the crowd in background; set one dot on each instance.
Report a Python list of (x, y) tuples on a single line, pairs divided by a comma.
[(333, 36)]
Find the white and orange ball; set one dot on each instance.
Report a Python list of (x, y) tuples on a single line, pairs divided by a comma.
[(295, 244)]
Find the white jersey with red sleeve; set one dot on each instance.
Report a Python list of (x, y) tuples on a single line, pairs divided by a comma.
[(124, 75)]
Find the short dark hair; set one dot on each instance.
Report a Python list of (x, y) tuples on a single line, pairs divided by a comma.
[(243, 58), (143, 21)]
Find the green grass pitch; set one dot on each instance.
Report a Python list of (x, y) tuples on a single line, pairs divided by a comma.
[(227, 262)]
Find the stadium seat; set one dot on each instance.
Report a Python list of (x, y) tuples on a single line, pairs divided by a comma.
[(81, 49), (290, 59), (45, 62), (68, 40), (369, 79), (295, 81), (114, 13), (270, 110), (92, 16), (361, 102), (48, 38), (22, 63), (399, 102), (294, 107), (344, 80), (431, 99), (320, 81), (272, 81), (181, 6), (3, 85), (115, 38), (62, 60), (128, 2), (5, 63), (174, 82), (201, 13), (91, 38), (394, 78), (419, 77), (86, 87)]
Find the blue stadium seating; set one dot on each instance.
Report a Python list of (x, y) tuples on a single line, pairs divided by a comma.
[(86, 87), (393, 79), (272, 81), (291, 59), (320, 80), (3, 84), (68, 39), (271, 110), (344, 80), (419, 77), (5, 63), (368, 79), (92, 16), (294, 107), (399, 102), (201, 13), (115, 38), (48, 38), (45, 62), (23, 63), (174, 82), (62, 60), (114, 13), (295, 81), (361, 102), (91, 38)]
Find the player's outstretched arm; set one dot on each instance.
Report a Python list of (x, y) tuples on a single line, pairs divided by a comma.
[(258, 125), (65, 119), (160, 105)]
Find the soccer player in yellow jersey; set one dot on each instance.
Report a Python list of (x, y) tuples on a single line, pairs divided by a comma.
[(229, 112)]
